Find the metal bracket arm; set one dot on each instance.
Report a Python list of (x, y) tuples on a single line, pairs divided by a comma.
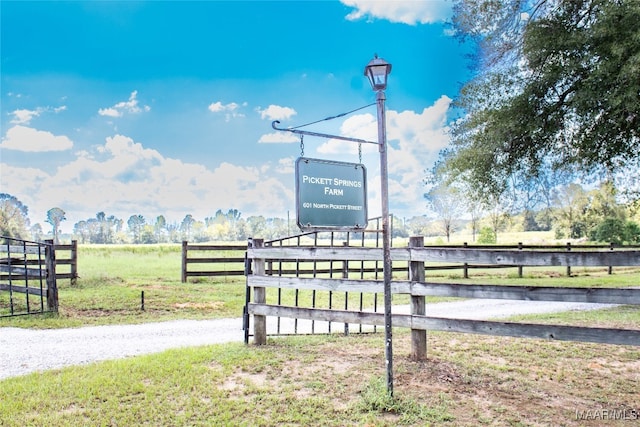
[(321, 135)]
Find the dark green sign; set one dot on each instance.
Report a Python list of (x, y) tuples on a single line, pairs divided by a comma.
[(331, 195)]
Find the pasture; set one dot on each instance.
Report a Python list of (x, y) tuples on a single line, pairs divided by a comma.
[(467, 380)]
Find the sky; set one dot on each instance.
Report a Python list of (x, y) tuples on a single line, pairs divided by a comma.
[(166, 107)]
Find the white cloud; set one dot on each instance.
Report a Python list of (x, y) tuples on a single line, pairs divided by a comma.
[(278, 138), (130, 106), (24, 116), (110, 112), (123, 178), (22, 138), (231, 109), (409, 12), (414, 142), (286, 166), (276, 112)]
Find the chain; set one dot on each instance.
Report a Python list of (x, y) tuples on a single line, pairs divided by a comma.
[(301, 145), (360, 152)]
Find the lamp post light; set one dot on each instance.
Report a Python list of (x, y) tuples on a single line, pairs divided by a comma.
[(377, 71)]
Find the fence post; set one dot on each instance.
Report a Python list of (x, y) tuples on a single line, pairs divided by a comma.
[(74, 262), (345, 275), (259, 297), (568, 266), (466, 266), (416, 274), (183, 277), (610, 267), (52, 285), (520, 266)]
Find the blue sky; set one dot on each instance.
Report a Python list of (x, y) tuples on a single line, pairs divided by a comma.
[(165, 108)]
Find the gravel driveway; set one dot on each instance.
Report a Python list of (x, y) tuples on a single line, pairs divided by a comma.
[(23, 351)]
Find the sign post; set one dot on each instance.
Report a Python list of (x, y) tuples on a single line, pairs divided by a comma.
[(330, 195)]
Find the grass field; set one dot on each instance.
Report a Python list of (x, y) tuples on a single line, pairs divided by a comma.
[(467, 380)]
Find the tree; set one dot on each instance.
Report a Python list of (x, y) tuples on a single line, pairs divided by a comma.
[(571, 203), (54, 217), (256, 226), (186, 225), (445, 201), (603, 204), (14, 217), (617, 231), (498, 211), (136, 224), (159, 228), (557, 81), (82, 231), (36, 232)]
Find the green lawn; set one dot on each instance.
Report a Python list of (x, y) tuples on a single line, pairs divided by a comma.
[(467, 380)]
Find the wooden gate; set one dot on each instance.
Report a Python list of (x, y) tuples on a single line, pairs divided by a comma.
[(27, 277)]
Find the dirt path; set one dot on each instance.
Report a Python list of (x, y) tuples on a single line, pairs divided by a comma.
[(23, 351)]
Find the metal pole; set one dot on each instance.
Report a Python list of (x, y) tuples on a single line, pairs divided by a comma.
[(386, 241)]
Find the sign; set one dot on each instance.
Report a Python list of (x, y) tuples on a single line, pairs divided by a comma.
[(330, 195)]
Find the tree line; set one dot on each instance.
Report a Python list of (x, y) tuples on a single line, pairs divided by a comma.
[(571, 211), (109, 229)]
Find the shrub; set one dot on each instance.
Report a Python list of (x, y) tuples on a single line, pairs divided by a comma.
[(487, 236), (616, 231)]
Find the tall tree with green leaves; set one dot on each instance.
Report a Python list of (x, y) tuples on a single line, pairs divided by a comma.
[(448, 206), (136, 224), (186, 226), (55, 216), (14, 217), (556, 87), (571, 205), (160, 228)]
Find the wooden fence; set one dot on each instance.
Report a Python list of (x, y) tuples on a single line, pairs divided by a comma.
[(416, 255), (217, 265), (224, 265), (67, 261), (27, 277)]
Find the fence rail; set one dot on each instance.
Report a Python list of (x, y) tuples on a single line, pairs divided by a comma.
[(218, 265), (224, 265), (69, 263), (416, 255)]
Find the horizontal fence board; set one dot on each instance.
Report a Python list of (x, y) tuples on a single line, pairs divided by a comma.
[(529, 293), (528, 330), (556, 258), (215, 248), (21, 271), (317, 253), (19, 249), (317, 284), (215, 273), (336, 270), (219, 260), (522, 330), (511, 292), (64, 247), (23, 289), (342, 316)]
